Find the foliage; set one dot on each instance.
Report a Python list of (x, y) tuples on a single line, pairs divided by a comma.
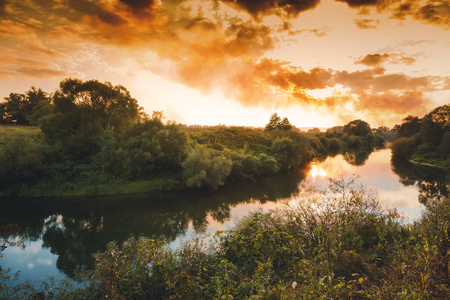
[(333, 243), (232, 137), (431, 136), (205, 166), (291, 151), (403, 147), (25, 109), (82, 110), (21, 160), (410, 126), (357, 127), (276, 122), (142, 149)]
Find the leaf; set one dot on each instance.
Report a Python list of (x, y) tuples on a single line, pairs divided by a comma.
[(340, 285)]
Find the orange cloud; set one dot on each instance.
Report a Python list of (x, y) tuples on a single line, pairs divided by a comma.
[(377, 59), (260, 8), (367, 23)]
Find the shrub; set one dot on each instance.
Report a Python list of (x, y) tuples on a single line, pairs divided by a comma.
[(205, 166), (403, 147)]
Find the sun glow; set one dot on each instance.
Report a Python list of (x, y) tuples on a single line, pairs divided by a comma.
[(317, 172)]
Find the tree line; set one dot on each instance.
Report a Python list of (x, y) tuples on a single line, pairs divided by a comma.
[(92, 133), (426, 139)]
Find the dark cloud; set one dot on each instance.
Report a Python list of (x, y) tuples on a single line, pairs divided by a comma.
[(111, 19), (402, 11), (84, 6), (435, 12), (140, 7), (2, 6), (248, 38), (430, 11), (283, 8), (359, 3)]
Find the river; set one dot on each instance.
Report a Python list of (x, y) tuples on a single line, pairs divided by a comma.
[(55, 236)]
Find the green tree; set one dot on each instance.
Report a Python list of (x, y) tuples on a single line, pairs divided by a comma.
[(357, 127), (142, 149), (410, 126), (403, 147), (25, 109), (285, 124), (290, 152), (82, 110), (434, 125), (274, 122)]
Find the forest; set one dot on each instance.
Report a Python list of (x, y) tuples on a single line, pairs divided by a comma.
[(91, 138)]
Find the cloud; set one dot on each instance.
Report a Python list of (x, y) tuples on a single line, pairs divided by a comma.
[(390, 103), (367, 23), (140, 8), (378, 59), (435, 12), (285, 9), (2, 7), (360, 3)]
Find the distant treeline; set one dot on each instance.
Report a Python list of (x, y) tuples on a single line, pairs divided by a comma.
[(425, 140), (94, 134)]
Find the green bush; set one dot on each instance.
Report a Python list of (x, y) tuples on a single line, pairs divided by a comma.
[(403, 147), (205, 166)]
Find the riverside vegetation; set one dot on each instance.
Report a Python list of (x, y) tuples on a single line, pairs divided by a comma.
[(93, 138), (334, 243), (425, 140)]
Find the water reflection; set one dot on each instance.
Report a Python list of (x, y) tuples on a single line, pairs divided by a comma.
[(74, 229), (432, 182), (59, 234)]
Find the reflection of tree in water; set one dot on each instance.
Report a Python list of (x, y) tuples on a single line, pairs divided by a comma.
[(74, 229), (357, 158), (432, 182)]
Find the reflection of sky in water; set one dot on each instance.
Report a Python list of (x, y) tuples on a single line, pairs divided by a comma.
[(377, 175), (37, 263)]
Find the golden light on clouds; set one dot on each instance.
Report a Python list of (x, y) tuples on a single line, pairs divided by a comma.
[(319, 62)]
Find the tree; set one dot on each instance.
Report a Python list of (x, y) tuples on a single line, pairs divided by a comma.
[(314, 130), (24, 109), (285, 124), (357, 127), (410, 126), (82, 110), (435, 124), (275, 122)]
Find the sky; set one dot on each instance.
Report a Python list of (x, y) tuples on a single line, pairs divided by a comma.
[(320, 63)]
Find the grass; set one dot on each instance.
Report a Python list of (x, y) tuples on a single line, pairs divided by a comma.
[(9, 132)]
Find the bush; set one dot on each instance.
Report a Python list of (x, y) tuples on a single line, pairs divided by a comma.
[(403, 147), (289, 152), (205, 166)]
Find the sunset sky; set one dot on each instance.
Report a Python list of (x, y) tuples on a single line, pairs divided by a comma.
[(235, 62)]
